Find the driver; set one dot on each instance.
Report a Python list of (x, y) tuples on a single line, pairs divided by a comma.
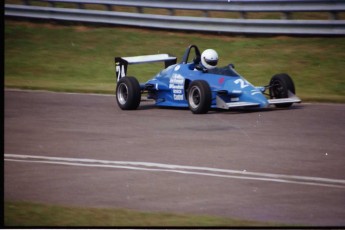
[(209, 60)]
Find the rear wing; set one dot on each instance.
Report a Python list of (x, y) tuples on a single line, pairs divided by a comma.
[(121, 63)]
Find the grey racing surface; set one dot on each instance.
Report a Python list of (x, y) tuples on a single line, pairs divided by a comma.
[(278, 165)]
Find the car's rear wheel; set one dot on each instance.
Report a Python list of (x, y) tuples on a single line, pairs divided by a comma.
[(128, 93), (199, 97), (280, 85)]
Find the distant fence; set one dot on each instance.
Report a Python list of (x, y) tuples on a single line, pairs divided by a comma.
[(52, 9)]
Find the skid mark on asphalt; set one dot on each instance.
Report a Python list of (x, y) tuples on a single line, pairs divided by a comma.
[(191, 170)]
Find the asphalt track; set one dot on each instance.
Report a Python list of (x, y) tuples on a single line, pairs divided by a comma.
[(285, 166)]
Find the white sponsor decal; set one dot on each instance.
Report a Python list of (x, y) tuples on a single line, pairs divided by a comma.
[(255, 91), (177, 67), (176, 84)]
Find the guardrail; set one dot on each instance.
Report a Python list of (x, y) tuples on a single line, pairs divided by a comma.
[(171, 21), (286, 7)]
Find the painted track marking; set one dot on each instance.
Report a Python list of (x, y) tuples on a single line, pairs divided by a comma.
[(191, 170)]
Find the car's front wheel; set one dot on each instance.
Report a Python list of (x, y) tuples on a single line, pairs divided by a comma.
[(280, 85), (199, 97), (128, 93)]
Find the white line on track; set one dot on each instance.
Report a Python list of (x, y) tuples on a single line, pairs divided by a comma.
[(191, 170)]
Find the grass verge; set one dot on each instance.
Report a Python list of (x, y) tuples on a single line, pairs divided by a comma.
[(22, 214), (81, 58)]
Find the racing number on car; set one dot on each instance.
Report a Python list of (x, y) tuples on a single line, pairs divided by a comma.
[(243, 83), (120, 71)]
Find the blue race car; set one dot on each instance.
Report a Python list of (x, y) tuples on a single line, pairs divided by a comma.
[(182, 85)]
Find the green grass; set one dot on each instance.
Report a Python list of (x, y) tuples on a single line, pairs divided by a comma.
[(22, 214), (81, 59)]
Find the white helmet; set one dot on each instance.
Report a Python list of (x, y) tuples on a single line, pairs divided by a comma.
[(209, 59)]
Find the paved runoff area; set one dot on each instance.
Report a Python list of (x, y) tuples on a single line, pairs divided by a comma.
[(277, 165)]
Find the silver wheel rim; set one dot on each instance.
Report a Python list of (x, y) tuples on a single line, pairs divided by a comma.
[(194, 97), (122, 93)]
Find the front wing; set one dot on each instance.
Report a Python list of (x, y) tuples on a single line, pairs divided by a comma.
[(220, 103)]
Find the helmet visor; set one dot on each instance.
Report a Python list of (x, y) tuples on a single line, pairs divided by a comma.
[(211, 62)]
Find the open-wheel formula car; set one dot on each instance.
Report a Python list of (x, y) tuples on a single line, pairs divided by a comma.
[(181, 85)]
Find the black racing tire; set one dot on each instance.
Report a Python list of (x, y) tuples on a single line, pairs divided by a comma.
[(280, 85), (128, 93), (199, 97)]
